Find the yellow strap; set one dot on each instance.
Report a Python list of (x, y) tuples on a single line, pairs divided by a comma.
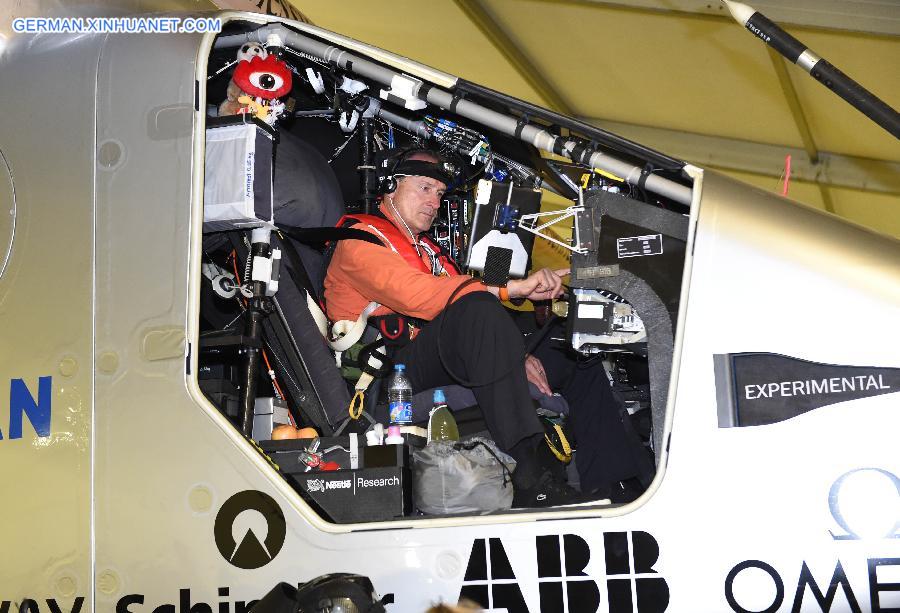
[(586, 177), (564, 456), (356, 405)]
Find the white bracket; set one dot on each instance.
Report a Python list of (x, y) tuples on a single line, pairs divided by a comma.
[(528, 223)]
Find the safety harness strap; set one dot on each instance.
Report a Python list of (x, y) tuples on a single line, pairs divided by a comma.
[(313, 236)]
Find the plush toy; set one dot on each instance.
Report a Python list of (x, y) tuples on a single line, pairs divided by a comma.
[(231, 106), (264, 78), (249, 50), (257, 84)]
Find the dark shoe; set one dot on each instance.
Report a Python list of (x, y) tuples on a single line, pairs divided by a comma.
[(547, 492)]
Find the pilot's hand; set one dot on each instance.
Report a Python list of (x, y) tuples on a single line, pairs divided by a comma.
[(534, 371), (543, 284)]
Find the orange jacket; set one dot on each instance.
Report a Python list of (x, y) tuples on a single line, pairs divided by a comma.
[(360, 273)]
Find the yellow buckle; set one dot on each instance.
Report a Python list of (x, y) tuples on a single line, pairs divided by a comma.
[(564, 456)]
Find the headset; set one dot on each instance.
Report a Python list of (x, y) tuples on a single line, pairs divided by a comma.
[(442, 169), (388, 182)]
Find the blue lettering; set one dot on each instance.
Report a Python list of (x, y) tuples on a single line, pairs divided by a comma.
[(21, 401)]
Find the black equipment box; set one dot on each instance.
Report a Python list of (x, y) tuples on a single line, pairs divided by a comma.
[(643, 240), (378, 489), (369, 494)]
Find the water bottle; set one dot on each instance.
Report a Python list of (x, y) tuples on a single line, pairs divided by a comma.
[(441, 425), (400, 397)]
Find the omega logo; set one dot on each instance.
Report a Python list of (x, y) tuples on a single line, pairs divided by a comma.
[(865, 503)]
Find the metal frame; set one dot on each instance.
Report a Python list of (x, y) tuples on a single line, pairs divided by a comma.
[(799, 117), (494, 32)]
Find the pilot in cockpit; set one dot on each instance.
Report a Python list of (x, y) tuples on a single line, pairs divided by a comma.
[(457, 331)]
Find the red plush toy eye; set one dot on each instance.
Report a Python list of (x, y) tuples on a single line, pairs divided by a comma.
[(264, 78)]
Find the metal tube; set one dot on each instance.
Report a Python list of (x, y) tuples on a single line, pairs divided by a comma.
[(259, 248), (540, 138), (416, 127), (368, 179), (253, 332)]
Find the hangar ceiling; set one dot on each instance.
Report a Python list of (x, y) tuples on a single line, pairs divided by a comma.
[(678, 75)]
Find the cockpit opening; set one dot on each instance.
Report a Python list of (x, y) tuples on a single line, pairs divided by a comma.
[(304, 131)]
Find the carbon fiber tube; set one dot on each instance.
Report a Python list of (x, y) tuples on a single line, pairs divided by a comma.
[(250, 367), (862, 99), (821, 70)]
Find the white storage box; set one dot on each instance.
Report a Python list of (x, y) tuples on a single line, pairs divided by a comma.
[(239, 161)]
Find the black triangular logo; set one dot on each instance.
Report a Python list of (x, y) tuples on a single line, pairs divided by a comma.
[(250, 553)]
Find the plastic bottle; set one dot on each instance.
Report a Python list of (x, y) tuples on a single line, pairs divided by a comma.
[(441, 425), (394, 437), (400, 397)]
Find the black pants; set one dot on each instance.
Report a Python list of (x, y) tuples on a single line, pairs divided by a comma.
[(482, 349), (609, 450), (480, 342)]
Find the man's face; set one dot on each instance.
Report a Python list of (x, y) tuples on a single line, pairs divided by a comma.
[(417, 200)]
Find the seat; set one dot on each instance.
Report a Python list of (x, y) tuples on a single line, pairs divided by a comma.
[(307, 195)]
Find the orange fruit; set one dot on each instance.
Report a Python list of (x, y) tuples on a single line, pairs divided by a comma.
[(307, 433), (284, 432)]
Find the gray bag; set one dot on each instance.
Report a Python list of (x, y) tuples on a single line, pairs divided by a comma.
[(471, 476)]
